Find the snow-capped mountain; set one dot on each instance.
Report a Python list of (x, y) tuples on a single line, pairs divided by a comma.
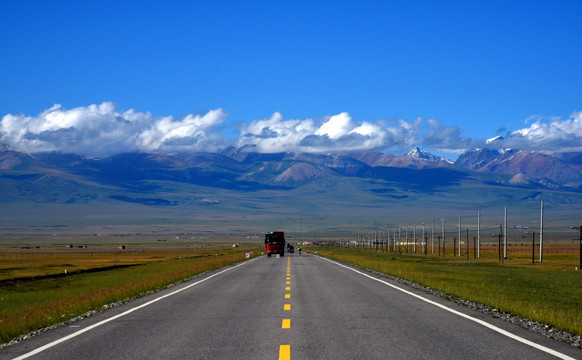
[(414, 159), (419, 154), (494, 139), (544, 168)]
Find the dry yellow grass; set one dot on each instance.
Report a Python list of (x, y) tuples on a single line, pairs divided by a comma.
[(34, 292)]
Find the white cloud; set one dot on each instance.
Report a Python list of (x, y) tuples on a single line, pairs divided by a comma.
[(187, 134), (275, 134), (555, 135), (331, 133), (101, 130), (336, 127)]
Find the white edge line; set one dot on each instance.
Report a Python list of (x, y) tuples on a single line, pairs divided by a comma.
[(468, 317), (88, 328)]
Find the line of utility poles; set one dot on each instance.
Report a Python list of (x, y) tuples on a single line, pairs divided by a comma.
[(402, 238)]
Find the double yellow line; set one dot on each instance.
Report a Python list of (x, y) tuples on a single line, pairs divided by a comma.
[(285, 350)]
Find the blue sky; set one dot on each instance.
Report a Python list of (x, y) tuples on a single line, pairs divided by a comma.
[(290, 76)]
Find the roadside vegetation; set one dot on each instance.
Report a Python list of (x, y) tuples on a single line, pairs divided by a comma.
[(35, 291), (550, 292)]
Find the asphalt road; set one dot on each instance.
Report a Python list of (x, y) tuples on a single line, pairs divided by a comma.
[(291, 307)]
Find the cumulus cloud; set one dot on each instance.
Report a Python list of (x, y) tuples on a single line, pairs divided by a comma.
[(336, 127), (192, 133), (331, 133), (275, 134), (102, 130), (551, 135)]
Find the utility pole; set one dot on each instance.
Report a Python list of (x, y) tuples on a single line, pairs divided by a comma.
[(443, 230), (478, 235), (414, 239), (579, 228), (423, 239), (459, 236), (433, 236), (541, 231), (505, 235), (467, 245)]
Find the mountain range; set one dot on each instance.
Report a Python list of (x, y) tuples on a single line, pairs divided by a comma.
[(238, 183), (551, 170)]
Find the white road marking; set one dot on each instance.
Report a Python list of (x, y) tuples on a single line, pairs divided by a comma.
[(88, 328), (468, 317)]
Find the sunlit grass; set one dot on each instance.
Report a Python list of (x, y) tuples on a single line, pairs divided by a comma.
[(550, 293), (31, 304), (18, 265)]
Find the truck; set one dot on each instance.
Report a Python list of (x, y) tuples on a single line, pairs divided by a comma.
[(275, 243)]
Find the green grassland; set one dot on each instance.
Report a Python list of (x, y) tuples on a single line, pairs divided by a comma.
[(35, 292), (549, 292)]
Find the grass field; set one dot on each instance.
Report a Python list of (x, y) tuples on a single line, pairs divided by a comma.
[(550, 292), (35, 292)]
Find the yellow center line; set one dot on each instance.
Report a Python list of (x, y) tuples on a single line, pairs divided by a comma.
[(285, 352)]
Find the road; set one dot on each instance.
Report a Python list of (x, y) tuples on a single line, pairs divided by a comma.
[(290, 307)]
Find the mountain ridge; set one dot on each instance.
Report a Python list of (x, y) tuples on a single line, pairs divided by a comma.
[(547, 169), (241, 189), (555, 170)]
